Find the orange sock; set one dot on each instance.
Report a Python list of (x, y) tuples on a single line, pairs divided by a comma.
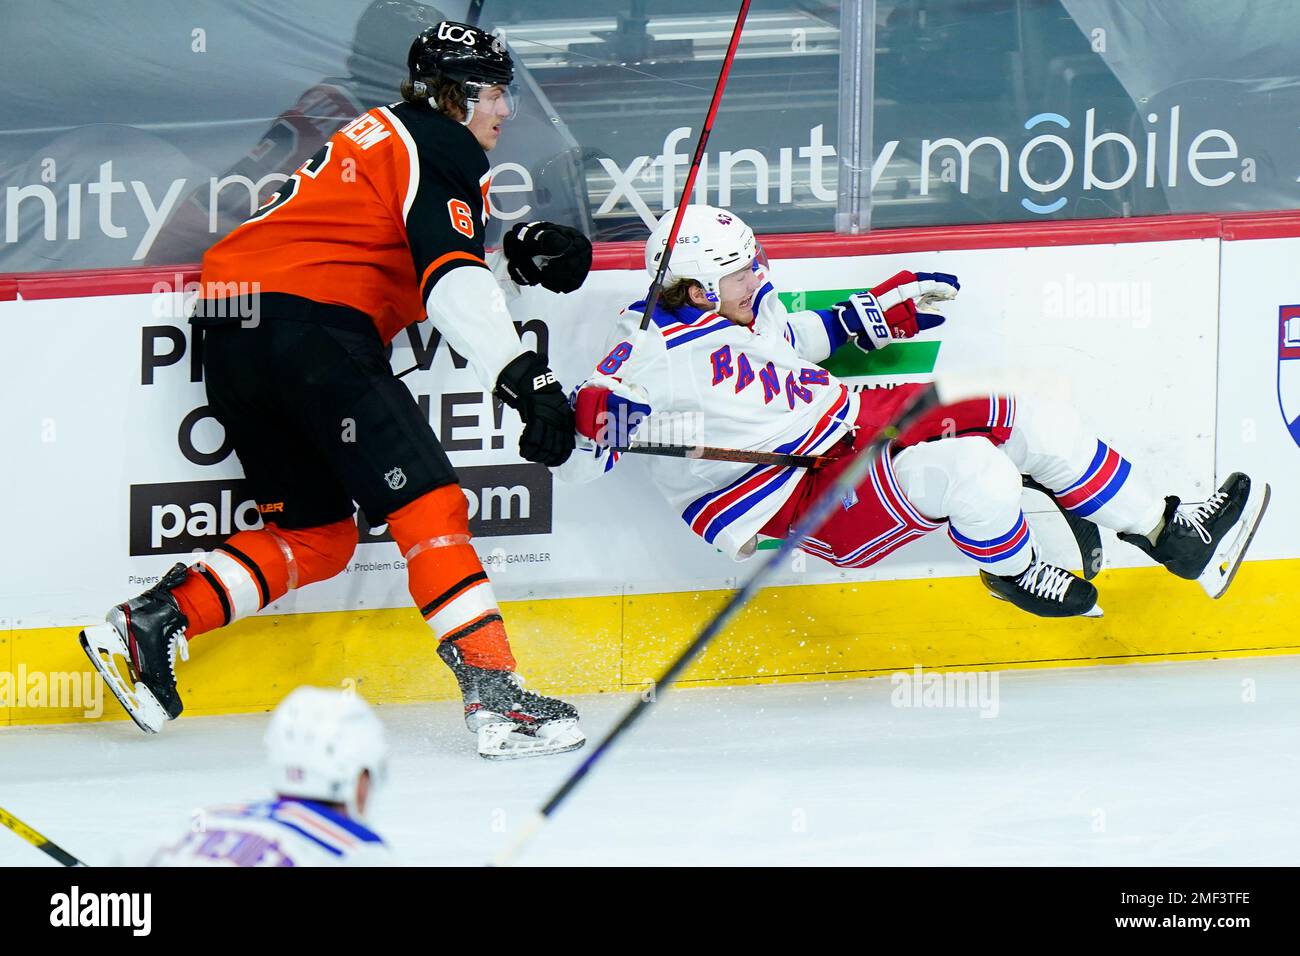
[(239, 577), (447, 580), (253, 568)]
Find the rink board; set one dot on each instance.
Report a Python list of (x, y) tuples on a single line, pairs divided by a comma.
[(598, 645), (627, 588), (100, 370)]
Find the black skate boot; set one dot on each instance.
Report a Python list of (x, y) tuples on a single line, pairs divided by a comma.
[(510, 721), (148, 631), (1045, 590), (1206, 543)]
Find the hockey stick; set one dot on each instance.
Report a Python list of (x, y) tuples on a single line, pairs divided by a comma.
[(813, 519), (1086, 534), (811, 462), (657, 285), (44, 844)]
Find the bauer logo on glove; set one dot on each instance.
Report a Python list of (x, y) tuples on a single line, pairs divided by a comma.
[(908, 302)]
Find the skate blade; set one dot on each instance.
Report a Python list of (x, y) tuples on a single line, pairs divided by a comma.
[(1227, 558), (1095, 612), (503, 741), (102, 643)]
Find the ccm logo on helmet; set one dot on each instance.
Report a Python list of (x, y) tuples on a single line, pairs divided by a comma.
[(456, 33)]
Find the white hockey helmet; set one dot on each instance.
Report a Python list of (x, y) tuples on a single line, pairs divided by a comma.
[(319, 742), (712, 243)]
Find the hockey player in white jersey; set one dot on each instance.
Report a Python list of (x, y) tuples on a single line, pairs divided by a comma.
[(327, 757), (724, 358)]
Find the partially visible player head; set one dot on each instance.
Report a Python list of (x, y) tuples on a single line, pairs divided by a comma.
[(381, 31), (465, 73), (718, 264), (327, 745)]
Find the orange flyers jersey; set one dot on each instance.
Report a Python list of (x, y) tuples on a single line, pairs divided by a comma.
[(392, 202)]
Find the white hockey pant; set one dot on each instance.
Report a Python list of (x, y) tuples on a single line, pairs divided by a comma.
[(976, 485)]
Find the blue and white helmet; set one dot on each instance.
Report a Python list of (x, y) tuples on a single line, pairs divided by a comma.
[(711, 243)]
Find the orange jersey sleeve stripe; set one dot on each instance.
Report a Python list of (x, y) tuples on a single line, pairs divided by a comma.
[(444, 259)]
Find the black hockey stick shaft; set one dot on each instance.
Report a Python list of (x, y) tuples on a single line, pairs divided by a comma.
[(1086, 534), (657, 285), (811, 520), (744, 456), (44, 844)]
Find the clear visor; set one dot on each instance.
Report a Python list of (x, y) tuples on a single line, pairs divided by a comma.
[(486, 96)]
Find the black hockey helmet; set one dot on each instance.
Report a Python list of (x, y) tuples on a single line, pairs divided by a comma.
[(462, 53)]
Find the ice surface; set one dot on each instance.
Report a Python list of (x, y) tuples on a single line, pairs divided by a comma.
[(1174, 763)]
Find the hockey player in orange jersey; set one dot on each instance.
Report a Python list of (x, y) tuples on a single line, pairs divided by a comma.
[(374, 68), (384, 224)]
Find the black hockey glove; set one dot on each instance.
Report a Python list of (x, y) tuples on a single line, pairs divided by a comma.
[(530, 388), (547, 254)]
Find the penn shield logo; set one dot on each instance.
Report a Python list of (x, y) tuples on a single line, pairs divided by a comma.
[(1288, 368)]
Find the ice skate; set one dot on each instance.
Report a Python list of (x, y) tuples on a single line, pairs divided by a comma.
[(509, 721), (1045, 590), (148, 632), (1206, 543)]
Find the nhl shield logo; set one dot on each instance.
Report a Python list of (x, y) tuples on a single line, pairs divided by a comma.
[(1288, 368), (396, 478)]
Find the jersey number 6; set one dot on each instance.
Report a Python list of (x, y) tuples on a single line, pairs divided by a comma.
[(461, 218)]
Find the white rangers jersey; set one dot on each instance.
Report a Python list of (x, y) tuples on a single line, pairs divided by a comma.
[(713, 382), (283, 832)]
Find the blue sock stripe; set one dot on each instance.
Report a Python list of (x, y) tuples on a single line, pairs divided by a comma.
[(1110, 491), (1091, 470), (961, 539)]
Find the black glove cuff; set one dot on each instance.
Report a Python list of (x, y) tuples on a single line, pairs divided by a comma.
[(517, 276)]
